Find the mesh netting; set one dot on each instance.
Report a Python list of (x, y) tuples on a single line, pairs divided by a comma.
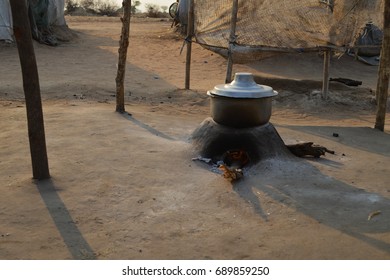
[(285, 24)]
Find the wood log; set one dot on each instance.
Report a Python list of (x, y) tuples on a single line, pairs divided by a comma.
[(308, 149)]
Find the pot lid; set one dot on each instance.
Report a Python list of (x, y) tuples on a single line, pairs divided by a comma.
[(243, 86)]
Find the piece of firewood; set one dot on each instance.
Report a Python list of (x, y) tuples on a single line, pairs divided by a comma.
[(308, 149), (232, 174)]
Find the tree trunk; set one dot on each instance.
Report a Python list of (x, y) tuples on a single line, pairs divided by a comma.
[(36, 130), (384, 72), (123, 45)]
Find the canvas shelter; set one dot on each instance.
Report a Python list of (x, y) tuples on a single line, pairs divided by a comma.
[(285, 25), (45, 14), (253, 29)]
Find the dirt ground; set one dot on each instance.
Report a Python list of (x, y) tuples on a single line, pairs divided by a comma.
[(125, 187)]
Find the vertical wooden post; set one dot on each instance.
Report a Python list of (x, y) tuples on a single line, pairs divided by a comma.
[(382, 89), (232, 40), (325, 79), (32, 92), (190, 33), (123, 45)]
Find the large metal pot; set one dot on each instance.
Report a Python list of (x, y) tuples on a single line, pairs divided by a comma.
[(242, 103)]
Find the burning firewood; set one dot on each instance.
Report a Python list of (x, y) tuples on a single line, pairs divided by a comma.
[(233, 162), (232, 174)]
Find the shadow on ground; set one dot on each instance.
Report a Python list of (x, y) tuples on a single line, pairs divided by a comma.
[(72, 236), (299, 185)]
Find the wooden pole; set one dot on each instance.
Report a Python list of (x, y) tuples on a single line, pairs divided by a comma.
[(232, 41), (123, 45), (382, 89), (32, 92), (190, 33), (325, 80)]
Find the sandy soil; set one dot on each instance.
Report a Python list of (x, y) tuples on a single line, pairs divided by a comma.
[(125, 187)]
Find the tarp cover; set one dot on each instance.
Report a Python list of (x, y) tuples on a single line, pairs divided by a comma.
[(46, 13), (290, 24), (5, 21), (56, 12)]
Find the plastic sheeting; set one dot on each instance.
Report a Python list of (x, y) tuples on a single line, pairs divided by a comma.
[(54, 15), (183, 11), (56, 12), (5, 21)]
